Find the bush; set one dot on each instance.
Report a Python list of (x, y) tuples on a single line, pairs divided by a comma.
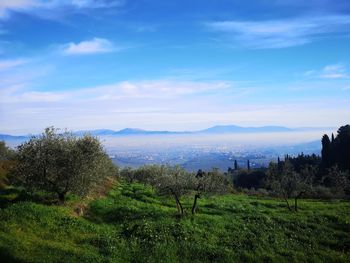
[(62, 163), (6, 163), (321, 192)]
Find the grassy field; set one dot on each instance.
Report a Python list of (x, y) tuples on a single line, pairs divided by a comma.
[(133, 224)]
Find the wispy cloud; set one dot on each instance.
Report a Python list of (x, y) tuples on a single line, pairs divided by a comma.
[(334, 71), (28, 6), (157, 104), (6, 6), (96, 45), (280, 33), (146, 28), (96, 4), (130, 102), (11, 63), (151, 89)]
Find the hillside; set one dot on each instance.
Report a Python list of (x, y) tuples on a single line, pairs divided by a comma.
[(133, 224)]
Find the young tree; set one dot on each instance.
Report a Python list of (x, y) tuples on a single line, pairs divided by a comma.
[(208, 183), (287, 183), (128, 174), (62, 163), (174, 181)]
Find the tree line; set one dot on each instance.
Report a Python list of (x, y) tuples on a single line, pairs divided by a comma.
[(62, 164), (310, 176), (336, 151)]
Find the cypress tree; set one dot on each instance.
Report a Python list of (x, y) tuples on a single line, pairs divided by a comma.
[(326, 151), (341, 148), (236, 165)]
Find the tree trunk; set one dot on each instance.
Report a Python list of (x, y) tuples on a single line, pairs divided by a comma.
[(178, 204), (296, 200), (194, 207), (62, 197), (286, 199), (181, 208)]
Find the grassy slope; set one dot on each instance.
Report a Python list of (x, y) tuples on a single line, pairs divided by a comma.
[(134, 224)]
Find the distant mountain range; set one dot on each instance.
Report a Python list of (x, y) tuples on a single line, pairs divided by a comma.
[(219, 129)]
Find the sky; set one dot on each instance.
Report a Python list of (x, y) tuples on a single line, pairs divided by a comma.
[(173, 65)]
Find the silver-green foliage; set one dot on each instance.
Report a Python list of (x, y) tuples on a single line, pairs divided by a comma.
[(286, 183), (62, 163), (176, 182)]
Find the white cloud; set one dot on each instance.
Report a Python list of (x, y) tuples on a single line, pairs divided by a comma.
[(96, 4), (15, 5), (129, 102), (146, 28), (152, 89), (333, 71), (96, 45), (155, 89), (11, 63), (28, 6), (159, 104), (280, 33)]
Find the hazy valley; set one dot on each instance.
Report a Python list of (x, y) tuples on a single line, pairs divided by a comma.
[(217, 146)]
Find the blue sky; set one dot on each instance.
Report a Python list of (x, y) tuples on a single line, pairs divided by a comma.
[(175, 65)]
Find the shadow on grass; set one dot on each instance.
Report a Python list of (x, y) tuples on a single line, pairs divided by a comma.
[(123, 211), (12, 195), (7, 257)]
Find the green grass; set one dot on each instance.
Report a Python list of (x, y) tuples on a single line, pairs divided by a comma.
[(134, 224)]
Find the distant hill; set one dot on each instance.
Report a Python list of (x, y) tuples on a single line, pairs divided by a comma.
[(126, 131), (101, 132), (219, 129), (239, 129), (6, 137)]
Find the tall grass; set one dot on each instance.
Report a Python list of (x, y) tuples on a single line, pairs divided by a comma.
[(133, 224)]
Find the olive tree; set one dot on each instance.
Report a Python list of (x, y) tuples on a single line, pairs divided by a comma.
[(6, 163), (212, 182), (62, 163), (6, 153), (174, 181), (337, 180), (287, 183)]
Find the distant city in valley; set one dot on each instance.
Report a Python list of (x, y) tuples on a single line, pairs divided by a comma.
[(217, 146)]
